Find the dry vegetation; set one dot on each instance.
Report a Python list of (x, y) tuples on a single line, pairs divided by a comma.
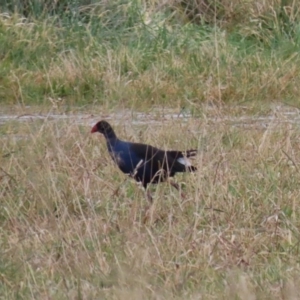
[(73, 226)]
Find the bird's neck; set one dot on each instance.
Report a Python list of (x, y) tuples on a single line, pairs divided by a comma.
[(111, 142), (110, 135)]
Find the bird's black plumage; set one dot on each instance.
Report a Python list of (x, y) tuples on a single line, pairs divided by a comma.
[(145, 163)]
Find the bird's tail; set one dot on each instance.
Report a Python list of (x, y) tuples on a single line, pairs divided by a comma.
[(192, 169), (190, 153), (182, 157)]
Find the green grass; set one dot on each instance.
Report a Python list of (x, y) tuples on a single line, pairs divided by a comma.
[(137, 55)]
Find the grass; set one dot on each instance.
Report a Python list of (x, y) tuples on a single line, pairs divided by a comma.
[(141, 56), (73, 227)]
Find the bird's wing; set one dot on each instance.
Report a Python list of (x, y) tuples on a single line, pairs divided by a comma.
[(176, 161), (146, 152)]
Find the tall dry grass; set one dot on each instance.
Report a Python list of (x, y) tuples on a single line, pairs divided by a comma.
[(73, 226)]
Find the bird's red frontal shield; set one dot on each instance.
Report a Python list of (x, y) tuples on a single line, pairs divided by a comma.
[(94, 129)]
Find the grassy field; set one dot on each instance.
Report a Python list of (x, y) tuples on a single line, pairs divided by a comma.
[(72, 226), (137, 55)]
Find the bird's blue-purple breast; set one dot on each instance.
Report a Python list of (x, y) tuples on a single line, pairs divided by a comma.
[(124, 157)]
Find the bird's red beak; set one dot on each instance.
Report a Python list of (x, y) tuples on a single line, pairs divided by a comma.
[(94, 129)]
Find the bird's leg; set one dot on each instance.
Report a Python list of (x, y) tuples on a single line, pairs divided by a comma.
[(176, 186), (116, 192), (149, 197), (149, 209)]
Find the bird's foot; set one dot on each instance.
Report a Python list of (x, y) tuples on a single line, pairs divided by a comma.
[(176, 186)]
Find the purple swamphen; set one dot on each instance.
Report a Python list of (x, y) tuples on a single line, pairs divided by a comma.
[(145, 163)]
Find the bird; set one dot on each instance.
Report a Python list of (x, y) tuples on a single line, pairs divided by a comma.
[(145, 163)]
